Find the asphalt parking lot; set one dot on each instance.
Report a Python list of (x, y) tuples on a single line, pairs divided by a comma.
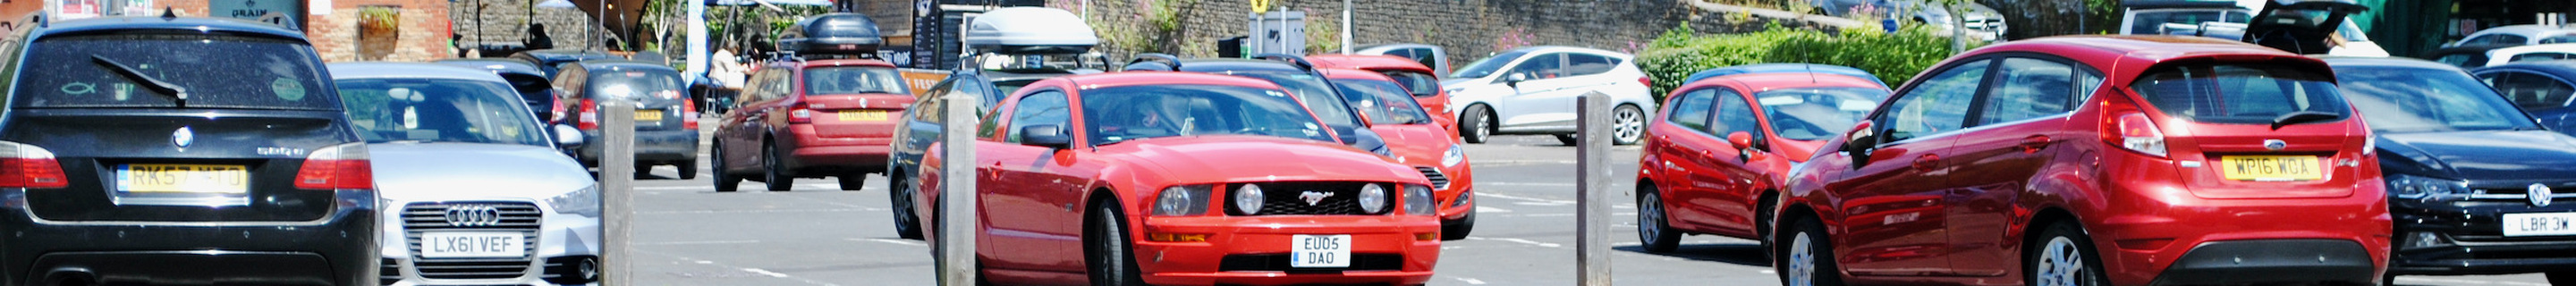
[(687, 234)]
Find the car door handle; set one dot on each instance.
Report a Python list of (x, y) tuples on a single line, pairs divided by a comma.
[(2033, 143), (1927, 162)]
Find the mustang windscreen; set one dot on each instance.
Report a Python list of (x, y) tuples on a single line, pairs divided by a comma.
[(1137, 112), (155, 70)]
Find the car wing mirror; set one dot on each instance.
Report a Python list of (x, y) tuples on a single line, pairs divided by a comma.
[(1049, 135), (1348, 135), (566, 136), (1860, 139), (1514, 79), (1743, 143)]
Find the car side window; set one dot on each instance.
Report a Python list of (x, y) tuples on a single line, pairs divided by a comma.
[(1691, 111), (1425, 56), (1938, 104), (1735, 115), (750, 89), (1588, 64), (927, 108), (2530, 91), (2540, 56), (1041, 108), (2029, 88), (2497, 39), (1542, 66)]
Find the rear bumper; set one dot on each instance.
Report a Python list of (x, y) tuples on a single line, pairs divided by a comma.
[(812, 151), (2274, 261), (1253, 250), (2151, 232), (650, 146), (339, 249), (2469, 240)]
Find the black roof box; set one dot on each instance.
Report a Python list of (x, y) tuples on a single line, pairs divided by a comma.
[(833, 34)]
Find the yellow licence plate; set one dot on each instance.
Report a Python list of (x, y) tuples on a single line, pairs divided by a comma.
[(863, 115), (648, 115), (183, 178), (2270, 168)]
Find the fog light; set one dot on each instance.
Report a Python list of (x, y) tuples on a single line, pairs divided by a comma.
[(589, 269), (1176, 237), (1426, 236), (2423, 240)]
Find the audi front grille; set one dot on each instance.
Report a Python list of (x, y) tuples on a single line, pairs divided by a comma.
[(521, 217)]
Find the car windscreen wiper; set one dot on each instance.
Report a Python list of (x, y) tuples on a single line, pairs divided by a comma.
[(2302, 116), (137, 76)]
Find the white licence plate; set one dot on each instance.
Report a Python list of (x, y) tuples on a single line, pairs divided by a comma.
[(2539, 224), (458, 244), (1320, 251)]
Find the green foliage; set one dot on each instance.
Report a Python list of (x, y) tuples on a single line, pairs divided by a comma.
[(1893, 57)]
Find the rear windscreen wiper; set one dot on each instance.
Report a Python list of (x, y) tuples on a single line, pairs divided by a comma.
[(2296, 117), (137, 76)]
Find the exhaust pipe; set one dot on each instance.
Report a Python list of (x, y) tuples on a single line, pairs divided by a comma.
[(70, 276)]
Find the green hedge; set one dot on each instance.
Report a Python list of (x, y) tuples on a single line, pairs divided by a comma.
[(1893, 57)]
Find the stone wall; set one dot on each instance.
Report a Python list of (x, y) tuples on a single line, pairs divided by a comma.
[(505, 22)]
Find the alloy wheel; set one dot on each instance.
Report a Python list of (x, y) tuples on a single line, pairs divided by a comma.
[(2060, 264), (1627, 125), (1802, 261), (1650, 219)]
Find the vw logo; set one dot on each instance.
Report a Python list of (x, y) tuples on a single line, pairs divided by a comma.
[(473, 215), (2275, 144), (183, 137), (1314, 197), (2540, 195)]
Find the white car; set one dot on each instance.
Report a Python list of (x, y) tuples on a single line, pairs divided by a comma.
[(474, 190), (1532, 90), (2515, 35), (2486, 56)]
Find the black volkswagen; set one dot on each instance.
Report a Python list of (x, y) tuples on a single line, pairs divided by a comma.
[(2474, 186), (171, 150)]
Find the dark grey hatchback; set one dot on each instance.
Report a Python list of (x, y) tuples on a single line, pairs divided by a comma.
[(167, 150)]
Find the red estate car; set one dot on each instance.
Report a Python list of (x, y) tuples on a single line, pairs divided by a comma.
[(1715, 157), (1416, 140), (810, 119), (1169, 178), (2086, 160), (1417, 80)]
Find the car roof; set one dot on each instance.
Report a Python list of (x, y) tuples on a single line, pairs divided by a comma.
[(566, 54), (2387, 62), (2525, 49), (1781, 68), (365, 70), (623, 65), (2151, 48), (192, 25), (1342, 73), (832, 63), (1767, 81), (1572, 49), (2524, 29), (1368, 62), (496, 65), (1137, 78), (1214, 65), (2565, 69)]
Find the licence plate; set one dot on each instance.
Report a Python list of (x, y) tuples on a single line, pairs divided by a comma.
[(2270, 168), (183, 178), (1320, 251), (863, 115), (458, 244), (2539, 224), (648, 115)]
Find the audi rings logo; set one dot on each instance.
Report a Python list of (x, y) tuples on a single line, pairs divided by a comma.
[(473, 215)]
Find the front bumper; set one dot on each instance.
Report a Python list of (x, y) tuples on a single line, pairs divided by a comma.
[(559, 246), (335, 250), (676, 145), (1387, 249), (2467, 238)]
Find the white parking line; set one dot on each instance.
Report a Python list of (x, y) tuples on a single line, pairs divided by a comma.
[(1511, 197), (642, 188), (895, 241), (1524, 184), (765, 272), (1520, 241), (766, 211), (696, 242), (1470, 281), (1486, 209)]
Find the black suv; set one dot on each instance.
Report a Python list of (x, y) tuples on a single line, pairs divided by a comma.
[(171, 150)]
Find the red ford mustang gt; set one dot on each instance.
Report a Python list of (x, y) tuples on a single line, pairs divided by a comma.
[(1164, 178)]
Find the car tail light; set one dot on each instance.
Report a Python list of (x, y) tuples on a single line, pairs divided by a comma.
[(689, 114), (2134, 131), (589, 115), (1648, 81), (337, 167), (800, 114), (28, 166), (556, 110)]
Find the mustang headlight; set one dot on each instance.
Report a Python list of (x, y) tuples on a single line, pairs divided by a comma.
[(1454, 156), (1248, 198), (2426, 189), (1417, 200), (1372, 198), (1182, 201), (584, 202)]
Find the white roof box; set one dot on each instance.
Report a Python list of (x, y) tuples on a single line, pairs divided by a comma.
[(1030, 30)]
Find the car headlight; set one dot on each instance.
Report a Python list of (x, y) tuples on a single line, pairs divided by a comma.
[(584, 202), (2426, 189), (1417, 200), (1247, 199), (1372, 198), (1182, 201), (1454, 156)]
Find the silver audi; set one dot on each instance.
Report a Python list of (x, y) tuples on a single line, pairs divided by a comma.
[(474, 190)]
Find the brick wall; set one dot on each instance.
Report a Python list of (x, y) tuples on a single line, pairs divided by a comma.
[(422, 33)]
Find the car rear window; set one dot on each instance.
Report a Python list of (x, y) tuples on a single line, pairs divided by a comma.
[(2396, 99), (1382, 101), (1416, 83), (631, 83), (853, 80), (214, 71), (2239, 93)]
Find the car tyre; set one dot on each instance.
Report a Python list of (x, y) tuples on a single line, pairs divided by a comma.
[(1477, 126), (2063, 257), (1653, 233), (643, 170), (899, 192), (776, 170), (1458, 229), (725, 182), (1627, 125), (2561, 277), (1108, 256), (853, 181), (688, 169), (1806, 256), (1569, 139)]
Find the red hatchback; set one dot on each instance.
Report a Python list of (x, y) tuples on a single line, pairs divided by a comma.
[(1417, 80), (2096, 161), (1715, 157), (810, 119), (1416, 139), (1166, 178)]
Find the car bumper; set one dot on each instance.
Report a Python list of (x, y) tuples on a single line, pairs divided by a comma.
[(650, 146), (1397, 250), (2153, 233), (813, 151), (335, 250), (2467, 238), (562, 243)]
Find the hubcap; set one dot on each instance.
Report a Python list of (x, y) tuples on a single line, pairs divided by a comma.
[(1802, 261), (1647, 221), (1629, 125), (2060, 264)]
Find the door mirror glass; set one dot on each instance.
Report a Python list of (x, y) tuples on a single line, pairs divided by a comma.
[(1049, 135)]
